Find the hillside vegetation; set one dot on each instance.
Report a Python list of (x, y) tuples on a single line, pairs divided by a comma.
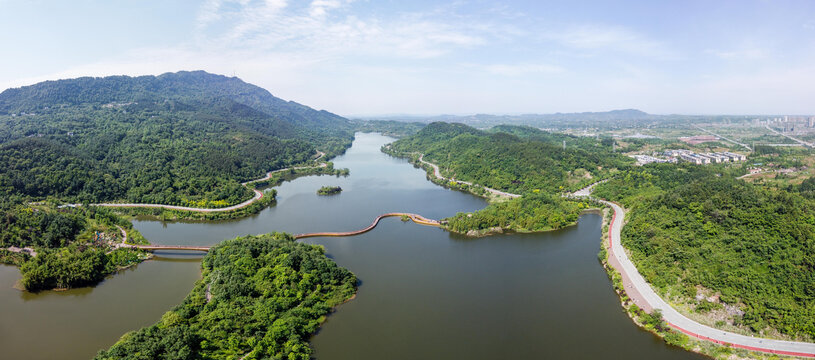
[(74, 246), (261, 297), (187, 138), (509, 163), (696, 230), (515, 159)]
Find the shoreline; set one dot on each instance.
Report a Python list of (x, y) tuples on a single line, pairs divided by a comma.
[(640, 313), (491, 195), (271, 179)]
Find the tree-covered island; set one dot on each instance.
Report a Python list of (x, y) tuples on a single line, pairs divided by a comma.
[(261, 297), (329, 190)]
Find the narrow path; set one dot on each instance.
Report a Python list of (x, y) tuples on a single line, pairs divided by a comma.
[(258, 195), (124, 234), (586, 191), (755, 173), (121, 244), (24, 250), (646, 298), (421, 220), (437, 174)]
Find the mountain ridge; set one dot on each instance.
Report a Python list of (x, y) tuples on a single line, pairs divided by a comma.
[(177, 139)]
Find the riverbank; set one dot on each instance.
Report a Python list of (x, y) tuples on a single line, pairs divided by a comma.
[(434, 175), (535, 212), (258, 202), (418, 282), (264, 199)]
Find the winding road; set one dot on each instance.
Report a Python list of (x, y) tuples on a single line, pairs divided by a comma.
[(646, 298), (635, 285), (437, 174), (258, 195)]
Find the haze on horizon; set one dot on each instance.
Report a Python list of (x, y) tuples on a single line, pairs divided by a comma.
[(424, 57)]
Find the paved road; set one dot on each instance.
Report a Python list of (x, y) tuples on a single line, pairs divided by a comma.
[(645, 294), (586, 191), (437, 174), (258, 196), (730, 140), (804, 143)]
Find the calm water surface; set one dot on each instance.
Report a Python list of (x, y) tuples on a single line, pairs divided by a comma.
[(424, 294)]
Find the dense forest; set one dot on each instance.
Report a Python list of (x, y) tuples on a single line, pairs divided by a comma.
[(74, 246), (504, 161), (261, 297), (187, 138), (530, 213), (698, 230), (516, 159)]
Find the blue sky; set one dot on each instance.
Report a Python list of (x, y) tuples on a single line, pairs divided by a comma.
[(430, 57)]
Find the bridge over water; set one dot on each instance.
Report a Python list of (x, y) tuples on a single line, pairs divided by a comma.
[(421, 220)]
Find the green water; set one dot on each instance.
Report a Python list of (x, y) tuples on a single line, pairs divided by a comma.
[(424, 293)]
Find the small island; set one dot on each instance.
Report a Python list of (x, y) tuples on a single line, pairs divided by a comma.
[(329, 190)]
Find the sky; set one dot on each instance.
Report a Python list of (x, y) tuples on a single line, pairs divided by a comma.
[(367, 58)]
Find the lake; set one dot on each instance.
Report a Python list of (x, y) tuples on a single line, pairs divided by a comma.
[(424, 293)]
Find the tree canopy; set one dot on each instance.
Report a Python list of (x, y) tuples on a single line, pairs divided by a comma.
[(695, 227), (187, 138), (261, 297)]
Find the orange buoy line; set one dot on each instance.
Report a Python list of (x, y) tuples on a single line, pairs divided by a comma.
[(421, 220)]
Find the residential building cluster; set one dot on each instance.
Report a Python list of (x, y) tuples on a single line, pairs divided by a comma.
[(647, 159), (674, 156)]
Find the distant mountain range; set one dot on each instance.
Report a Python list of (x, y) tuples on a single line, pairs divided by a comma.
[(538, 120), (182, 87)]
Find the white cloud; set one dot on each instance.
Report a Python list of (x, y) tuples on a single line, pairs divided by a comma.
[(326, 28), (609, 38), (518, 69), (457, 57), (749, 50), (320, 8)]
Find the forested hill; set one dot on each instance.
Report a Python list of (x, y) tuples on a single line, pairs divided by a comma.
[(187, 138), (739, 255), (501, 160), (183, 87)]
